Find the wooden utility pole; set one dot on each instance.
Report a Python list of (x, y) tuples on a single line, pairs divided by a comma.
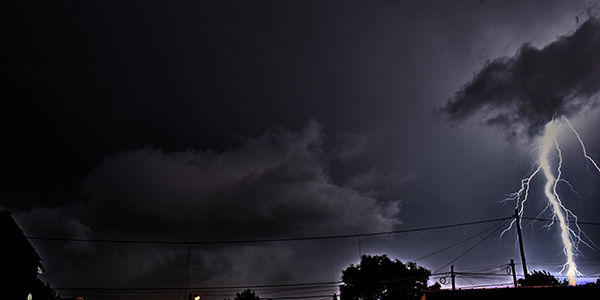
[(453, 276), (521, 245)]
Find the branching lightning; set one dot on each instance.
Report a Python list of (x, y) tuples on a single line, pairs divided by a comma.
[(571, 234), (519, 102)]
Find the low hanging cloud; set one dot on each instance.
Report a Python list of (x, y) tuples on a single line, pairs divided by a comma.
[(520, 94), (276, 185)]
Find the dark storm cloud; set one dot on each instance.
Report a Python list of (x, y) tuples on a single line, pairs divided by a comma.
[(275, 185), (520, 94), (349, 145)]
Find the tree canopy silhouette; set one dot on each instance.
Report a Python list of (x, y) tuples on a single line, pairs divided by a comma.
[(538, 278), (246, 295), (380, 278)]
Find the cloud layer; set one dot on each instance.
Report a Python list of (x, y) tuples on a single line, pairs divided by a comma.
[(520, 94), (275, 185)]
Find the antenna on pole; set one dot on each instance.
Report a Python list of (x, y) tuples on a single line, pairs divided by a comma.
[(514, 273)]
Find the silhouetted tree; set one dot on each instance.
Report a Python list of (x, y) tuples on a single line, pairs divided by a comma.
[(246, 295), (537, 278), (436, 286), (380, 278)]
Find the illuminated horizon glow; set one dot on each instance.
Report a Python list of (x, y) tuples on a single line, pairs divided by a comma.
[(569, 237)]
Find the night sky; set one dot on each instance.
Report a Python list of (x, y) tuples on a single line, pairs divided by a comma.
[(227, 122)]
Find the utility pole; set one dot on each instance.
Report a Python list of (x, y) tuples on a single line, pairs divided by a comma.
[(512, 269), (521, 245), (453, 276)]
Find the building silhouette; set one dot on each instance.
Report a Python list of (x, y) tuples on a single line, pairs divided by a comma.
[(20, 264)]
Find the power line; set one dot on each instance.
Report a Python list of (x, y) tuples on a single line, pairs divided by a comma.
[(480, 274), (186, 271), (231, 287), (492, 284), (550, 220), (265, 240), (455, 244), (300, 297), (312, 290), (473, 247)]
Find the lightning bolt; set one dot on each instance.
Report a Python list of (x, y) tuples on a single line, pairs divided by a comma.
[(570, 238)]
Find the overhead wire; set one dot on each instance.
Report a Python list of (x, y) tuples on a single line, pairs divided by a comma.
[(265, 240), (230, 287), (281, 291), (455, 244), (186, 272), (471, 248), (312, 290), (550, 220)]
